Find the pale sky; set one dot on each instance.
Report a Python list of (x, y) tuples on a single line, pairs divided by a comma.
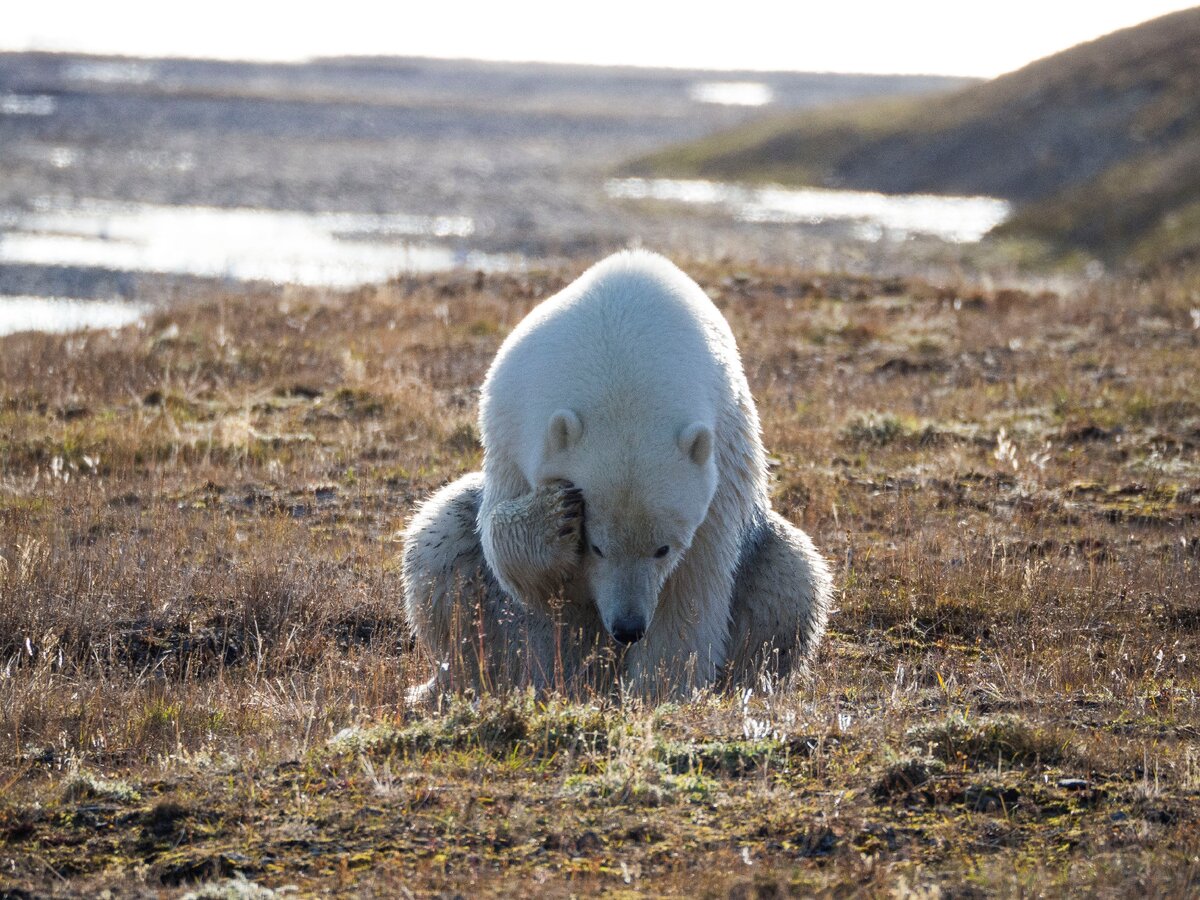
[(952, 37)]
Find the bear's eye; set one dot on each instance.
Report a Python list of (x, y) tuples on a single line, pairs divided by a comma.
[(596, 550), (661, 552)]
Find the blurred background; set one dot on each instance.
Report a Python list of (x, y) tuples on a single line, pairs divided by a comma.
[(149, 151)]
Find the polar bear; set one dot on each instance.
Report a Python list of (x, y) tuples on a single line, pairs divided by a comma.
[(621, 527)]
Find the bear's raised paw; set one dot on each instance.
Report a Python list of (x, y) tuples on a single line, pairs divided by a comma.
[(562, 503)]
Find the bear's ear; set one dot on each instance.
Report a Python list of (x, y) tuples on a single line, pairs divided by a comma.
[(563, 432), (696, 442)]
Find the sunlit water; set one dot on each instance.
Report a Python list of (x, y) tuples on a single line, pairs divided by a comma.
[(27, 105), (874, 216), (61, 315), (732, 93), (314, 249), (110, 71)]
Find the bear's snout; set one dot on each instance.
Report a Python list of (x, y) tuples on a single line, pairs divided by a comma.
[(628, 630)]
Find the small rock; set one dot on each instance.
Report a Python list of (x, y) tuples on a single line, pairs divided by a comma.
[(1074, 784)]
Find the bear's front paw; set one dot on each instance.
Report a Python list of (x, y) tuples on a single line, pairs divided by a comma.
[(563, 505)]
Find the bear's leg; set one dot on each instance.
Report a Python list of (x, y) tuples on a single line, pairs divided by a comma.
[(533, 542), (476, 633), (781, 602)]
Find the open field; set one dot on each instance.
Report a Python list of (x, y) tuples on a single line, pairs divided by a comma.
[(199, 596)]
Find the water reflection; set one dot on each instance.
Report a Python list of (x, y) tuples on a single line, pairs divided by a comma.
[(958, 219), (60, 315), (27, 105), (110, 71), (732, 93), (316, 249)]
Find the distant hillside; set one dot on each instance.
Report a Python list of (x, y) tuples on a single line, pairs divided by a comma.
[(1098, 147)]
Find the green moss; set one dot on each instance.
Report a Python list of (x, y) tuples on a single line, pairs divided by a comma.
[(494, 724)]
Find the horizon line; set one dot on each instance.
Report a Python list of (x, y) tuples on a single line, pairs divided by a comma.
[(588, 64)]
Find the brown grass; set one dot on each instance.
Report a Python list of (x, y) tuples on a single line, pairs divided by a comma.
[(199, 591)]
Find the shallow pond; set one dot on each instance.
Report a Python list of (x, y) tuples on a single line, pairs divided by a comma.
[(874, 216), (60, 315), (287, 247)]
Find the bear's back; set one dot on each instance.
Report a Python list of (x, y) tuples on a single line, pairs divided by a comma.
[(632, 344)]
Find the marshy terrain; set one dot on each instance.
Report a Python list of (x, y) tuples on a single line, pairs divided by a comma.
[(134, 179), (203, 664)]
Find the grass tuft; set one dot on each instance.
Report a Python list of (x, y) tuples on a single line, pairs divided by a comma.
[(83, 785), (495, 724), (990, 741), (238, 888)]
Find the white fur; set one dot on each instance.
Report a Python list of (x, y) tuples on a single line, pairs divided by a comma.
[(628, 385)]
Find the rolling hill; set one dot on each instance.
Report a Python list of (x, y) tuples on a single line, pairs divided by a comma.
[(1098, 147)]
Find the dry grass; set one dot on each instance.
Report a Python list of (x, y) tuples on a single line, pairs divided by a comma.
[(203, 666)]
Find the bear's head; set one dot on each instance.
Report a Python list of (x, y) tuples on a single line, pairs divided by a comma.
[(645, 496)]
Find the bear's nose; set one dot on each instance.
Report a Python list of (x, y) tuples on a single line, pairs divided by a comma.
[(628, 631)]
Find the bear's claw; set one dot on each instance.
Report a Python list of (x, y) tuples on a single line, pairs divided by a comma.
[(566, 518)]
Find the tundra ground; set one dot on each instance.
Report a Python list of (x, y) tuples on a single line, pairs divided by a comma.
[(203, 663)]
